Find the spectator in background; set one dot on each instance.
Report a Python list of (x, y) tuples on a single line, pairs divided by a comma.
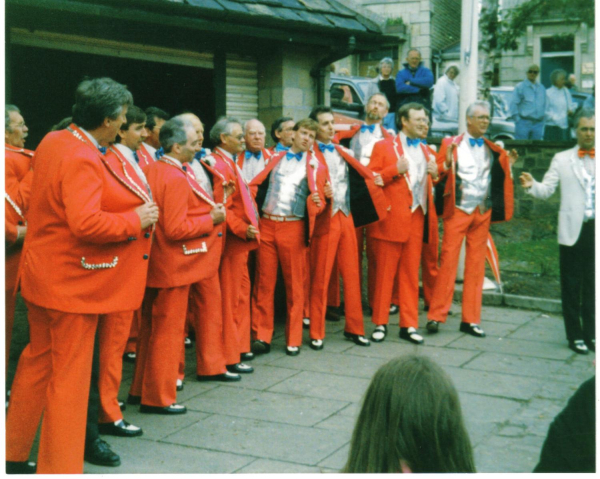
[(414, 81), (445, 97), (590, 101), (528, 107), (410, 421), (386, 84), (572, 82), (559, 106)]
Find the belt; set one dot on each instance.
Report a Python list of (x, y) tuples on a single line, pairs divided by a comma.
[(281, 219)]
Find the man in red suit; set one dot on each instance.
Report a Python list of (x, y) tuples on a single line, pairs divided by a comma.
[(354, 198), (478, 190), (185, 254), (242, 236), (282, 133), (155, 119), (407, 169), (289, 194), (17, 177), (84, 255)]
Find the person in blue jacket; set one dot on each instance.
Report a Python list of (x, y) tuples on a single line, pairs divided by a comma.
[(414, 81)]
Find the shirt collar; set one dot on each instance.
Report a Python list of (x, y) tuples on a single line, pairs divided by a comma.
[(177, 162), (224, 153), (90, 137)]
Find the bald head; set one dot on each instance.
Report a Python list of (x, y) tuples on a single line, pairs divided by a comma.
[(196, 123), (255, 135)]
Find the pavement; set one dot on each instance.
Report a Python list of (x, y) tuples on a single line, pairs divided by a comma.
[(296, 414)]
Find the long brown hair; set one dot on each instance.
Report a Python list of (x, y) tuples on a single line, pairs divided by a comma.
[(410, 413)]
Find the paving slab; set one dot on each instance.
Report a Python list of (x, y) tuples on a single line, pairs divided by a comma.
[(157, 426), (142, 456), (325, 386), (506, 454), (266, 466), (516, 347), (515, 316), (267, 405), (263, 377), (548, 329), (535, 417), (517, 365), (338, 459), (499, 329), (339, 421), (264, 439)]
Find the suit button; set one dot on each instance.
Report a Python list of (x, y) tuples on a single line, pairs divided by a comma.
[(146, 235), (131, 238), (220, 234), (145, 256), (20, 223)]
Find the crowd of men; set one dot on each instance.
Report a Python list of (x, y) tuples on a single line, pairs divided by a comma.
[(127, 236)]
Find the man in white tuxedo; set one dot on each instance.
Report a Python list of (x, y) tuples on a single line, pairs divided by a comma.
[(575, 171)]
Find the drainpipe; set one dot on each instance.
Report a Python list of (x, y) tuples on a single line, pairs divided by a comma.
[(318, 71)]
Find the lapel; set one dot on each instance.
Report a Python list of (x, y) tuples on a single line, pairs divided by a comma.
[(14, 149), (384, 132), (144, 156), (320, 158), (399, 151), (312, 166), (128, 175), (576, 166), (191, 179)]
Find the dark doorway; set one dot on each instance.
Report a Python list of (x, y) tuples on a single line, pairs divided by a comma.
[(43, 83)]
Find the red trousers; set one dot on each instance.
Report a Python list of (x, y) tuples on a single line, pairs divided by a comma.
[(306, 306), (53, 377), (133, 332), (242, 313), (340, 242), (399, 260), (113, 331), (9, 321), (235, 322), (475, 227), (333, 290), (429, 269), (281, 242)]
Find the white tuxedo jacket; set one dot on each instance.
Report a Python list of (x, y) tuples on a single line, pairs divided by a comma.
[(566, 169)]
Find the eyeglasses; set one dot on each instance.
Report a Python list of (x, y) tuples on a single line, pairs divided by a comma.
[(533, 71)]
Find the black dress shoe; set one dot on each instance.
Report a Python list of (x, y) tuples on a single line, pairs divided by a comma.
[(122, 405), (167, 410), (472, 329), (179, 386), (357, 339), (240, 368), (226, 377), (379, 333), (425, 307), (100, 454), (292, 350), (432, 326), (394, 308), (129, 357), (260, 347), (134, 400), (305, 323), (578, 345), (187, 342), (17, 467), (120, 428), (411, 334), (316, 344), (246, 357), (591, 344), (332, 314)]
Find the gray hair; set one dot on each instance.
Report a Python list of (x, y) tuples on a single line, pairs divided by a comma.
[(475, 104), (413, 50), (223, 125), (385, 61), (556, 74), (387, 102), (7, 111), (451, 67), (98, 99), (583, 113), (174, 131)]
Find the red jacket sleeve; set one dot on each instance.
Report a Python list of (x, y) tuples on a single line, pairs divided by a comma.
[(388, 173)]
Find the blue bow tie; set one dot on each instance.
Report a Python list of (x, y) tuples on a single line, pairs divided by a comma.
[(250, 154), (291, 156), (184, 167), (323, 147), (476, 141), (160, 152), (279, 147), (102, 149), (370, 128), (135, 157), (201, 154), (415, 142)]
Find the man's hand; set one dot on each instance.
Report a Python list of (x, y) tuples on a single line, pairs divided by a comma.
[(526, 180), (218, 214), (328, 190), (316, 199), (513, 156), (432, 169), (407, 82), (230, 189), (251, 232), (378, 180), (402, 165), (148, 214), (450, 155)]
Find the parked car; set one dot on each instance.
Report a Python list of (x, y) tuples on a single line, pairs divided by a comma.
[(348, 98), (500, 127)]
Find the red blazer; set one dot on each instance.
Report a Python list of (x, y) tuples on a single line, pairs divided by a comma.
[(241, 208), (84, 251), (316, 175), (266, 154), (501, 190), (145, 156), (349, 134), (368, 203), (396, 227), (187, 246)]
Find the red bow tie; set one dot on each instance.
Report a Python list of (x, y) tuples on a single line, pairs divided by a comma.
[(591, 153)]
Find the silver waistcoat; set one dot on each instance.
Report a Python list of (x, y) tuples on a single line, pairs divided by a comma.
[(338, 173), (288, 189)]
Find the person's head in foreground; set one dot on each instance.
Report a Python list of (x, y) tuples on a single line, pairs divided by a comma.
[(410, 421)]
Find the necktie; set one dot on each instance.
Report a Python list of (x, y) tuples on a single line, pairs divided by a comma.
[(279, 147), (255, 154), (411, 142), (591, 153), (476, 141), (370, 128), (102, 149), (201, 154), (135, 157), (160, 152), (291, 156), (323, 147)]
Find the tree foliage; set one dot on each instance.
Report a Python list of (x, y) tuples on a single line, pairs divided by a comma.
[(515, 21)]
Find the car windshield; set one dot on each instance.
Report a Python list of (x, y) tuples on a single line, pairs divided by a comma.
[(501, 103), (363, 88)]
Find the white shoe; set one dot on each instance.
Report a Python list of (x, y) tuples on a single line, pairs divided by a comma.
[(379, 334)]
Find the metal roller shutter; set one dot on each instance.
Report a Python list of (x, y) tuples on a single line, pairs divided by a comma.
[(241, 87)]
